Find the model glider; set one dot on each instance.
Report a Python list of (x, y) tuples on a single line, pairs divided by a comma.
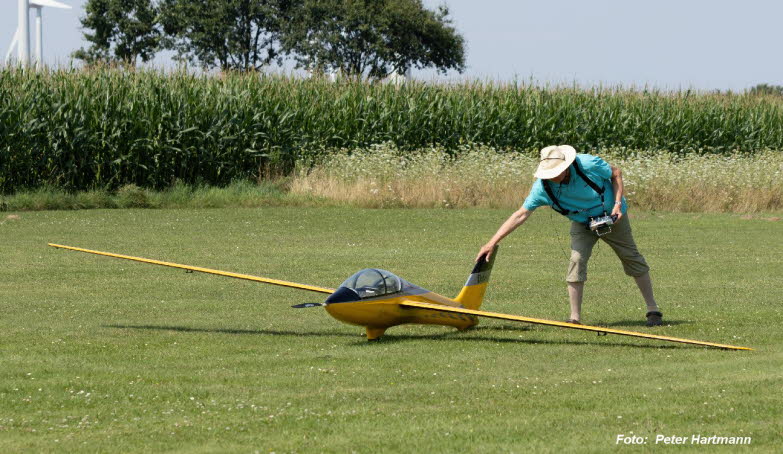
[(377, 300)]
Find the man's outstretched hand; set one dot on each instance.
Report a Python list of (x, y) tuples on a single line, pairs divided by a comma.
[(486, 251)]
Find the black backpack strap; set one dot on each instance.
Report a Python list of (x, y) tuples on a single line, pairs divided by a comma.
[(596, 188), (555, 204)]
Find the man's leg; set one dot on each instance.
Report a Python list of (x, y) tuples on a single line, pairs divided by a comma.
[(622, 242), (582, 242), (645, 286), (575, 293)]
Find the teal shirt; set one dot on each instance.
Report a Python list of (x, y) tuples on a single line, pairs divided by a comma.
[(576, 195)]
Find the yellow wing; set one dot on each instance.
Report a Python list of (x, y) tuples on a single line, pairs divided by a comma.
[(598, 329), (247, 277)]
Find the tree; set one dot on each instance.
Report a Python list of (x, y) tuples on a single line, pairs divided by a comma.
[(766, 89), (122, 31), (228, 34), (372, 38)]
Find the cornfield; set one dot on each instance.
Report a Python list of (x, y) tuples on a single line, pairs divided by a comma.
[(105, 128)]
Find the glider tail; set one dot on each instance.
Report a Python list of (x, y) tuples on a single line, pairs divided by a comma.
[(472, 293)]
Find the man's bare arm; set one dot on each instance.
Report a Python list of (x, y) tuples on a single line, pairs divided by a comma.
[(617, 184)]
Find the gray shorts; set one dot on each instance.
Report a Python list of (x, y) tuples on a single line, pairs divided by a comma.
[(620, 240)]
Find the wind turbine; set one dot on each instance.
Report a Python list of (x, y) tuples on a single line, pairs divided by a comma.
[(21, 39)]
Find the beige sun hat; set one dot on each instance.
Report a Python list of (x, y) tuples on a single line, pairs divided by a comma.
[(554, 160)]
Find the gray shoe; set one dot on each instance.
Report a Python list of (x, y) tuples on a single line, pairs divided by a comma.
[(654, 318)]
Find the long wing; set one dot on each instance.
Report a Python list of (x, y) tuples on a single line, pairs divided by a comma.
[(247, 277), (598, 329)]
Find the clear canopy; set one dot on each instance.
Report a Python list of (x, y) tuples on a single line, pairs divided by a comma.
[(373, 282)]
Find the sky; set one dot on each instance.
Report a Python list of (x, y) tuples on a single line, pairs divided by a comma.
[(665, 44)]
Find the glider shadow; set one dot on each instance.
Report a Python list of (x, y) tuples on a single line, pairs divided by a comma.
[(266, 332), (394, 338), (642, 323)]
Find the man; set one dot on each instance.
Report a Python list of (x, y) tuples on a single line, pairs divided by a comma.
[(581, 187)]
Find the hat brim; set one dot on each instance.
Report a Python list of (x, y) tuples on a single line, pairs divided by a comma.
[(545, 174)]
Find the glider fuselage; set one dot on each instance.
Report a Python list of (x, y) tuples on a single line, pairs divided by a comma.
[(378, 314), (377, 299)]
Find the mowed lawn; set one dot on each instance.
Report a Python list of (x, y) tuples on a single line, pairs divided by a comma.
[(106, 355)]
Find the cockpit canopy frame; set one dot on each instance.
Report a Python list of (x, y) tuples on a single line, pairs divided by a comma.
[(373, 282)]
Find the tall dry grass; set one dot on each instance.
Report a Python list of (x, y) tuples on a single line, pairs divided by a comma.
[(384, 176)]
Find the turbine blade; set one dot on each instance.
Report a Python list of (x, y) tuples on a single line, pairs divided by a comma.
[(12, 47), (49, 3)]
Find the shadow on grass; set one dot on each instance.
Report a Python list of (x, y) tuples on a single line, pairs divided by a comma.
[(502, 328), (269, 332), (394, 338), (643, 323), (390, 338)]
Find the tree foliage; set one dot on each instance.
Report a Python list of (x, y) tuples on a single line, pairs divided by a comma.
[(228, 34), (122, 31), (372, 37), (766, 89)]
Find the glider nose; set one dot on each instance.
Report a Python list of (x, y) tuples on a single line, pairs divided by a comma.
[(343, 295)]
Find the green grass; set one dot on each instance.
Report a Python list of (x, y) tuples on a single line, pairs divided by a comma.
[(105, 355)]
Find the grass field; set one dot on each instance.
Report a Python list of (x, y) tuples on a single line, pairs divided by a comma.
[(104, 355)]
